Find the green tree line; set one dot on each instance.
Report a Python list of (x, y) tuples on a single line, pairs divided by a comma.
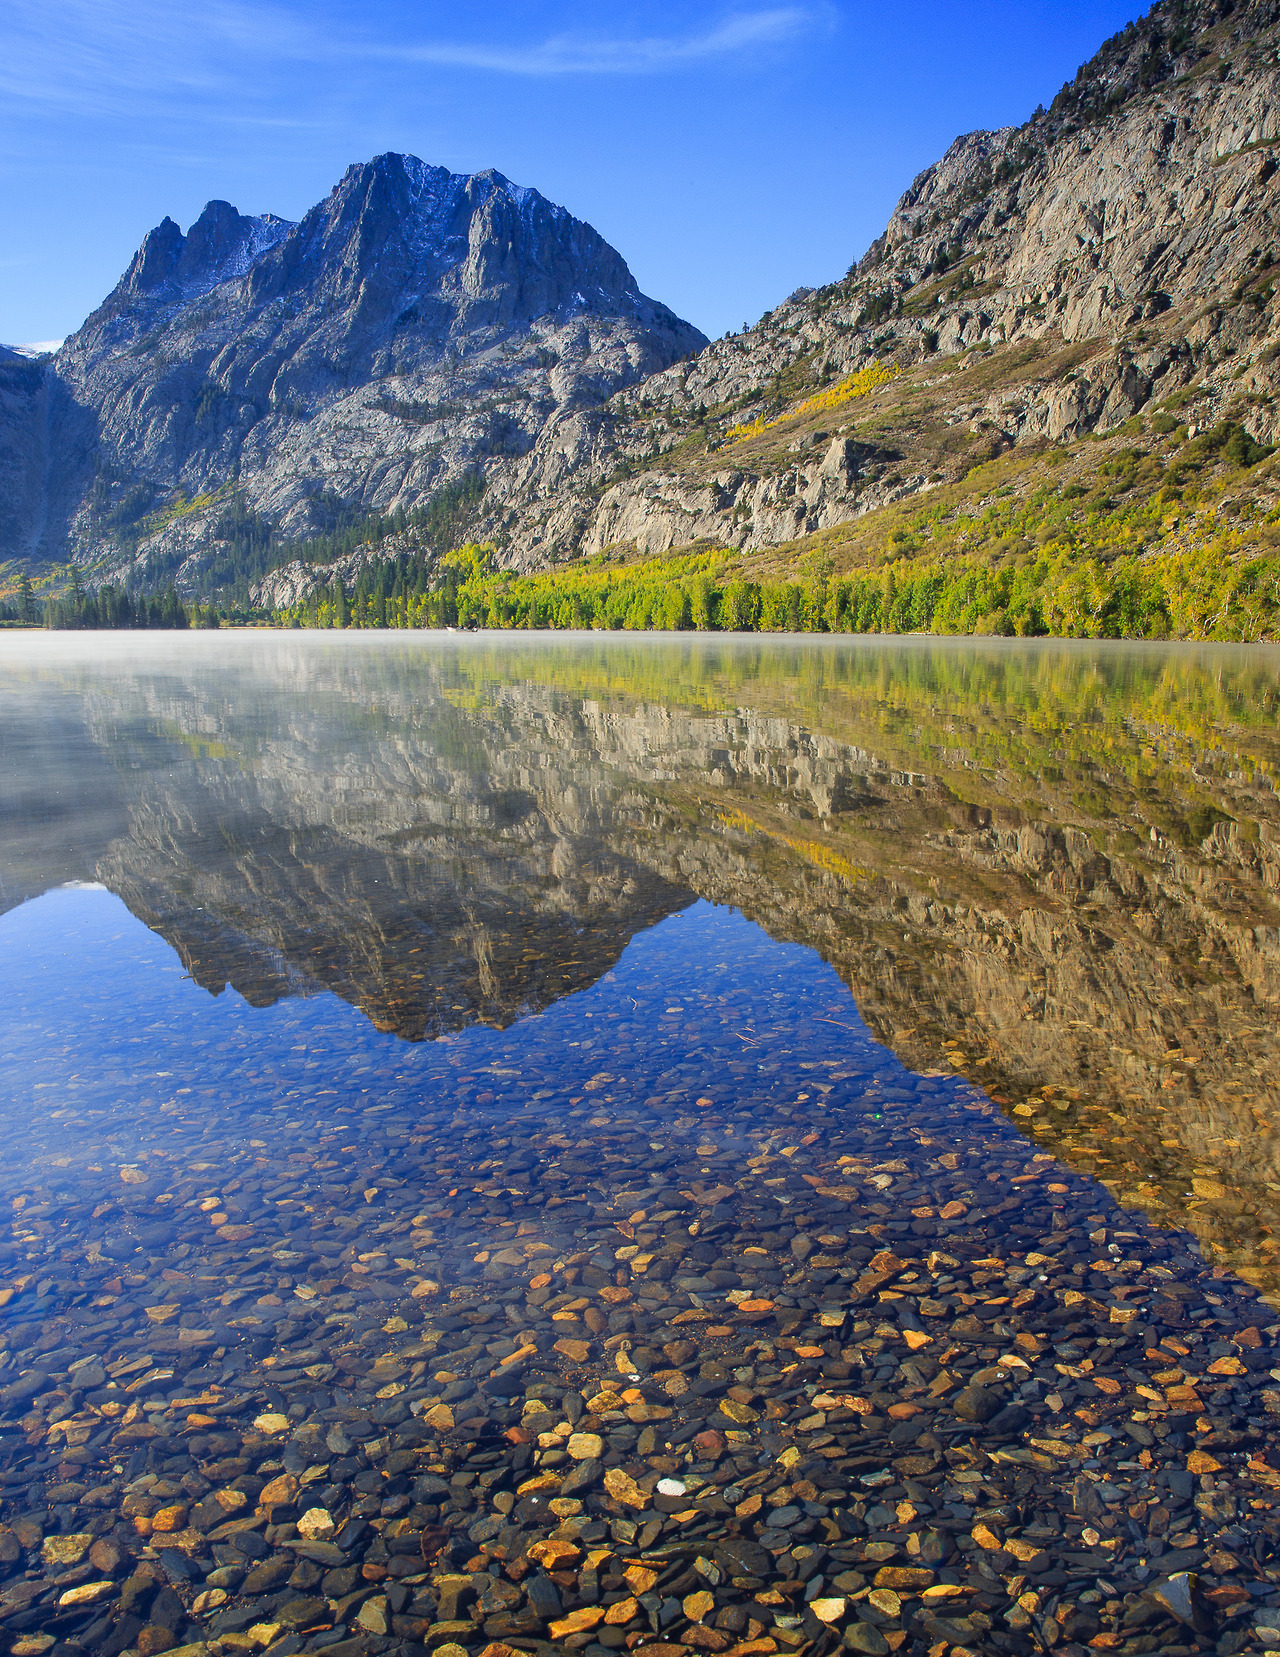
[(1147, 542), (1201, 593), (113, 607), (1197, 593)]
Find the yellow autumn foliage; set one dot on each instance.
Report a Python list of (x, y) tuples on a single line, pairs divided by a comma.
[(861, 384)]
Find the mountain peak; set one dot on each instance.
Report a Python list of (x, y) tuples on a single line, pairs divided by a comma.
[(422, 177), (220, 245), (396, 231), (397, 226), (444, 319)]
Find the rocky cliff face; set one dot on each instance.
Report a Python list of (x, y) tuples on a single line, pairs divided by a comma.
[(410, 328), (1039, 282), (24, 459)]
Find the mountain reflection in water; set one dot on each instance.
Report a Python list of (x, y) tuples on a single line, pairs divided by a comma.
[(1051, 869)]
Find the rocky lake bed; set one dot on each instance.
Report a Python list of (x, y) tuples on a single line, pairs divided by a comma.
[(467, 1239), (712, 1351)]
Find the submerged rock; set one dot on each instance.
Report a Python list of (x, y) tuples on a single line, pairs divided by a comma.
[(976, 1404)]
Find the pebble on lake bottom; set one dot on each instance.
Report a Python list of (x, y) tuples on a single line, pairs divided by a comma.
[(747, 1381)]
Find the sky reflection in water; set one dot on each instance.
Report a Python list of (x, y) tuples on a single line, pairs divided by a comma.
[(106, 1038)]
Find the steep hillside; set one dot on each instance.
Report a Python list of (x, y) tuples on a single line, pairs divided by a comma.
[(1114, 256), (256, 380)]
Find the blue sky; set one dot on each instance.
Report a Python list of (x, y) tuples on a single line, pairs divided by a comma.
[(731, 154)]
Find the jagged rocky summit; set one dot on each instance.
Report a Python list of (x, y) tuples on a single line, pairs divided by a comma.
[(414, 325), (1112, 256)]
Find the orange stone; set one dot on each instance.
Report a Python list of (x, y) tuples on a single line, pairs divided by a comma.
[(577, 1622), (136, 1432), (905, 1578), (697, 1605), (554, 1553), (623, 1488), (539, 1484), (642, 1413), (279, 1492)]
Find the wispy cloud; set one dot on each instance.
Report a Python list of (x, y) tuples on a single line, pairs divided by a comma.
[(107, 56), (648, 54), (129, 56)]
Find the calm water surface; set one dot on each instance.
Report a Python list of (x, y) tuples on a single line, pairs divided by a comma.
[(422, 1035)]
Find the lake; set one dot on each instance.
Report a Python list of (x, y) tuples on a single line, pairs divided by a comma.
[(611, 1142)]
